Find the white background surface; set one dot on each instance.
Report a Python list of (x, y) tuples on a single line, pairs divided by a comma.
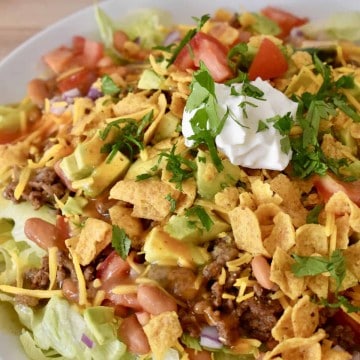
[(24, 63)]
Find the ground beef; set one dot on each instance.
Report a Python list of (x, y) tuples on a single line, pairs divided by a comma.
[(43, 185), (38, 278)]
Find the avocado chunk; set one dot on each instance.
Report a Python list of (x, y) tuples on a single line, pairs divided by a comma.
[(190, 229), (84, 159), (104, 175), (167, 127), (150, 80), (140, 167), (163, 249), (99, 320), (209, 181)]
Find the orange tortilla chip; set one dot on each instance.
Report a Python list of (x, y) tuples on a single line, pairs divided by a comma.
[(263, 193), (319, 285), (282, 234), (312, 352), (305, 317), (293, 344), (246, 229), (281, 274), (284, 327), (291, 196), (311, 239)]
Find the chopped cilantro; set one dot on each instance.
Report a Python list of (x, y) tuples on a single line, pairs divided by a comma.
[(206, 122), (313, 215), (262, 126), (315, 265), (180, 167), (120, 242), (203, 216), (342, 301), (129, 136), (172, 202), (108, 86)]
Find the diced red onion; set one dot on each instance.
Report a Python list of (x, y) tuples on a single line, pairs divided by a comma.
[(94, 93), (171, 38), (87, 341), (209, 338), (71, 94), (57, 110)]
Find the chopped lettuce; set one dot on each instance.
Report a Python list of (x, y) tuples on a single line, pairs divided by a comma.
[(149, 26), (340, 26), (19, 213), (59, 328)]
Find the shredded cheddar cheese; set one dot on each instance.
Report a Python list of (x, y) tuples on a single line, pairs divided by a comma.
[(52, 266), (23, 180), (40, 294), (80, 278)]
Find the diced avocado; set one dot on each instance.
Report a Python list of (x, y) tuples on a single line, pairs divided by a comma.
[(13, 117), (106, 174), (209, 181), (86, 156), (190, 229), (150, 80), (344, 135), (99, 320), (163, 249), (167, 127), (140, 167)]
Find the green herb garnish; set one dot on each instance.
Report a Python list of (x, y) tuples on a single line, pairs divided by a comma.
[(108, 86), (203, 216), (120, 242)]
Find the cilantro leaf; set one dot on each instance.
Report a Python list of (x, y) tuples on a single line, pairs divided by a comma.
[(172, 202), (315, 265), (203, 216), (108, 86), (206, 122), (342, 301), (128, 137), (120, 242), (313, 215), (180, 167), (262, 126)]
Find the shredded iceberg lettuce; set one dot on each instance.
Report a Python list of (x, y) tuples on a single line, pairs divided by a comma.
[(59, 328), (149, 26), (341, 26)]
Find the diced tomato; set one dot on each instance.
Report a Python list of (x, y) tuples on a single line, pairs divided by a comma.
[(269, 62), (208, 49), (93, 52), (82, 80), (62, 229), (284, 19), (327, 186), (78, 43), (113, 268), (58, 59)]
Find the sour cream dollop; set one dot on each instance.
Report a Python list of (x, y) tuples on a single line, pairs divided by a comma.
[(240, 139)]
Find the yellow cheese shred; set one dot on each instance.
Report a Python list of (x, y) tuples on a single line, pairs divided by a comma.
[(40, 294), (234, 265), (99, 298), (23, 180), (52, 252), (124, 289), (239, 299), (80, 278)]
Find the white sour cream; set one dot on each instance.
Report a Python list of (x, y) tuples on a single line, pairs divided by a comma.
[(239, 139)]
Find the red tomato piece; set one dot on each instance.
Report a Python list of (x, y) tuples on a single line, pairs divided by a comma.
[(93, 52), (82, 80), (327, 186), (269, 62), (58, 59), (78, 43), (208, 49), (113, 268), (284, 19)]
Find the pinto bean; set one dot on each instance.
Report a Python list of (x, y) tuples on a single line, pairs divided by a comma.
[(154, 300), (42, 233), (133, 336), (70, 290), (261, 271), (119, 39), (143, 317), (38, 91)]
